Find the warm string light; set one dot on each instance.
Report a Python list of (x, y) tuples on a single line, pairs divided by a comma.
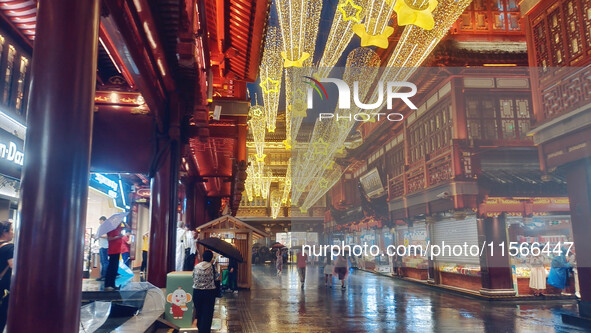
[(348, 13), (314, 170), (275, 203), (298, 20), (328, 137), (416, 43), (257, 125), (286, 184), (323, 183), (270, 73)]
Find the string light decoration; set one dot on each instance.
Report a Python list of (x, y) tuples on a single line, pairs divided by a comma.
[(266, 180), (324, 183), (375, 30), (270, 73), (286, 184), (328, 137), (248, 185), (348, 13), (314, 169), (257, 125), (416, 43), (275, 200), (298, 20)]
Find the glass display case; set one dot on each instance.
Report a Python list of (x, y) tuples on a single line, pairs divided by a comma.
[(463, 269)]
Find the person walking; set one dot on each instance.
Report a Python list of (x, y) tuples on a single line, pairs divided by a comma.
[(115, 239), (103, 248), (301, 264), (341, 269), (145, 248), (204, 292), (6, 254), (233, 275), (279, 262), (328, 268)]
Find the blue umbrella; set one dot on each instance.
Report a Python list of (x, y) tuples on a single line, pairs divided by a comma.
[(111, 223)]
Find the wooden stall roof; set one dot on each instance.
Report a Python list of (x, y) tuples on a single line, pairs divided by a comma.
[(230, 222)]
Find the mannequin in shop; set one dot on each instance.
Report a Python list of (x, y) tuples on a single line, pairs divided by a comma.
[(537, 276)]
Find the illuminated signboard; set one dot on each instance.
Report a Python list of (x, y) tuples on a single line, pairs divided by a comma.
[(111, 185), (11, 154)]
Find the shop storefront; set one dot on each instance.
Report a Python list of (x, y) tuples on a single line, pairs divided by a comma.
[(11, 161), (453, 266), (414, 265), (541, 236)]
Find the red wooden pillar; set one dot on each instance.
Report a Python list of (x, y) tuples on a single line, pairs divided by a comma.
[(578, 181), (189, 184), (47, 277), (163, 204), (159, 221), (495, 268)]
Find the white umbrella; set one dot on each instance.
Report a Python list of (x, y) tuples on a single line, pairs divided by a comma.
[(111, 223)]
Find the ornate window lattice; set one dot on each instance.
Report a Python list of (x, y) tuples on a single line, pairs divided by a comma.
[(490, 16), (20, 87), (562, 35), (430, 133), (498, 117), (8, 74)]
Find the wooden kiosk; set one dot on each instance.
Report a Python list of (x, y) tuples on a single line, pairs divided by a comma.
[(239, 234)]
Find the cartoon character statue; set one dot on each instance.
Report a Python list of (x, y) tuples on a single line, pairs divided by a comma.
[(178, 300)]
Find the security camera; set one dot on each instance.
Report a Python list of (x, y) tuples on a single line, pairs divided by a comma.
[(443, 195)]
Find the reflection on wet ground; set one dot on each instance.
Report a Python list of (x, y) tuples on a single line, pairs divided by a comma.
[(374, 303)]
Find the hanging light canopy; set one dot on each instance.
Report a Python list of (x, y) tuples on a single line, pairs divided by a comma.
[(270, 73)]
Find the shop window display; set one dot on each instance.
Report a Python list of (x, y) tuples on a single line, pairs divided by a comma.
[(535, 242)]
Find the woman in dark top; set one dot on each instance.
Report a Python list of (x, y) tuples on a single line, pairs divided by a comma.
[(6, 253)]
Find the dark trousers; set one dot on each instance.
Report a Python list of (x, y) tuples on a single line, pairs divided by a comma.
[(112, 270), (204, 300), (302, 274), (3, 313), (232, 279), (104, 261), (144, 261)]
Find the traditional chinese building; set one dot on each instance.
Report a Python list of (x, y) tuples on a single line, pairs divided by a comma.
[(462, 168), (559, 46)]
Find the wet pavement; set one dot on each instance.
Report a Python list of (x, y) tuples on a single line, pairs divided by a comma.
[(374, 303)]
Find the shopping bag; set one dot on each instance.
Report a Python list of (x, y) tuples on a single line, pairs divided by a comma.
[(125, 275)]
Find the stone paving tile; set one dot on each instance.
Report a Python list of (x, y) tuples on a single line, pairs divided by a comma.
[(374, 303)]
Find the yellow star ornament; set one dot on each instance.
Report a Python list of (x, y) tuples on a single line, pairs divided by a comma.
[(409, 13), (287, 144), (347, 7), (294, 63), (323, 183), (367, 39), (320, 147), (270, 85)]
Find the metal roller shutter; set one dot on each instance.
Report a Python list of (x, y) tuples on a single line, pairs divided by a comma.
[(456, 232)]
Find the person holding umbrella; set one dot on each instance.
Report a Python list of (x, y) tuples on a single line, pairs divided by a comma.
[(204, 292), (113, 227)]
